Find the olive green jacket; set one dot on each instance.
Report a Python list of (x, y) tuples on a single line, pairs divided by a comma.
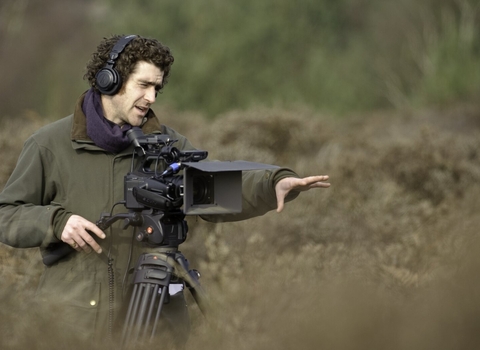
[(61, 172)]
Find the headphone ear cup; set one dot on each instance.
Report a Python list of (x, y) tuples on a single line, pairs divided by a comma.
[(108, 81)]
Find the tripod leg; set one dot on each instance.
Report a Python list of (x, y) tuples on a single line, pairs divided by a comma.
[(191, 278), (146, 297), (159, 310), (150, 309), (129, 318)]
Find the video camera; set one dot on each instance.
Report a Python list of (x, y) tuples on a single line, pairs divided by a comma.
[(205, 188)]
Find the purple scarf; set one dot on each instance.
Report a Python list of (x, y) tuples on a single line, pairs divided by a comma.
[(102, 131)]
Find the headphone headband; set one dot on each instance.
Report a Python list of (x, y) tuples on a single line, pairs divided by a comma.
[(118, 48)]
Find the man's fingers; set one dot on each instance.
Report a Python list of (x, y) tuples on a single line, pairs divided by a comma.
[(89, 242), (94, 229), (75, 245), (311, 182), (319, 184), (87, 235), (314, 180)]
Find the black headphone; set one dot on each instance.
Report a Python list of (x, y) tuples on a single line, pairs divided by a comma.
[(107, 80)]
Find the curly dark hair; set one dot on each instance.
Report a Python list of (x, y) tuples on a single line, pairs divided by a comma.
[(139, 49)]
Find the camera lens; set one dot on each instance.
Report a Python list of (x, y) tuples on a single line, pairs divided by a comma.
[(202, 189)]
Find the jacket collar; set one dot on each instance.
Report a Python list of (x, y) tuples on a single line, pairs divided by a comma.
[(79, 127)]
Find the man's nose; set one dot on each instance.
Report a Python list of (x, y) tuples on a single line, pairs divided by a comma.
[(150, 95)]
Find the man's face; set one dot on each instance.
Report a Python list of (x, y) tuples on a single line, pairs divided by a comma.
[(138, 93)]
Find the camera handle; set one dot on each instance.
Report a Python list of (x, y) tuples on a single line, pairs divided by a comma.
[(61, 250)]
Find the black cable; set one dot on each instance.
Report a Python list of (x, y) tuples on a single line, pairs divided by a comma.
[(111, 278), (111, 295)]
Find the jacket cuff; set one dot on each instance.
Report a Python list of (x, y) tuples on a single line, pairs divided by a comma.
[(282, 173), (59, 221)]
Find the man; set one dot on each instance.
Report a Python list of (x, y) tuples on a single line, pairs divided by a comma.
[(72, 170)]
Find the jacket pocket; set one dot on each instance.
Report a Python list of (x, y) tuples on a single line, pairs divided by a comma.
[(70, 307)]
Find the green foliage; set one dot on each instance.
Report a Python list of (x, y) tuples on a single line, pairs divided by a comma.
[(452, 71), (339, 57), (336, 56), (239, 54), (427, 52)]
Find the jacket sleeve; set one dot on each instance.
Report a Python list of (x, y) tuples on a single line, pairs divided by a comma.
[(26, 214)]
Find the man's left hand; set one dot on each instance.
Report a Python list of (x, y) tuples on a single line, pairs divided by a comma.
[(284, 186)]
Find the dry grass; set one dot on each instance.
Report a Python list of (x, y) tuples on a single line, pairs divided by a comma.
[(385, 258)]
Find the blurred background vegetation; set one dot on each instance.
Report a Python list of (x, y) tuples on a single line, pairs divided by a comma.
[(381, 95), (337, 56)]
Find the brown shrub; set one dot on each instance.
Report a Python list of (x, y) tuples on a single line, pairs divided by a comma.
[(385, 258)]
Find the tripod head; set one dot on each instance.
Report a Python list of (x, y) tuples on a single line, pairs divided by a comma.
[(156, 228)]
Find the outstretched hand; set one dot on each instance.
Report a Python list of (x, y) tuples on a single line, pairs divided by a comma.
[(284, 186)]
